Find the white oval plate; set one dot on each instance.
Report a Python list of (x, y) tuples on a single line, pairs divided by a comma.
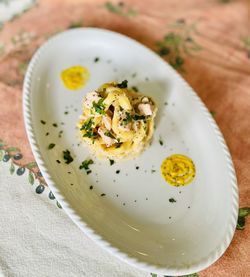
[(135, 219)]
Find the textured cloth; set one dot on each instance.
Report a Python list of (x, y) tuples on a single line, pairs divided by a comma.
[(207, 41), (38, 239)]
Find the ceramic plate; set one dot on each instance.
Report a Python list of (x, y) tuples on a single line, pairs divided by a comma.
[(127, 207)]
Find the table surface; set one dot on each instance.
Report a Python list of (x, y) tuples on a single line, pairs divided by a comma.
[(207, 41)]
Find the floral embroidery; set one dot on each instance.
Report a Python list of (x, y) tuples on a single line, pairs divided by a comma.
[(213, 113), (178, 43), (23, 39), (1, 49), (243, 213), (246, 42), (120, 8), (75, 24), (13, 156)]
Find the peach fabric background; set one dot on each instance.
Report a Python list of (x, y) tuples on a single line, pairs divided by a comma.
[(219, 72)]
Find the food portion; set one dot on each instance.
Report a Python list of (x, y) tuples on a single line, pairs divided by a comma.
[(75, 77), (117, 122), (178, 170)]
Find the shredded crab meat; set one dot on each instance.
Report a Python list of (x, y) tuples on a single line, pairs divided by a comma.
[(90, 98), (145, 109), (107, 122), (106, 139), (121, 121)]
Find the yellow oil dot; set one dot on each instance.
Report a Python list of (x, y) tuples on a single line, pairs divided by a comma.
[(178, 170), (75, 77)]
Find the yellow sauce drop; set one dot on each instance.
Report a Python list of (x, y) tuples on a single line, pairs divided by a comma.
[(75, 77), (178, 170)]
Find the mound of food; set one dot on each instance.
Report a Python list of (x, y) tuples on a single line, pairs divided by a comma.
[(117, 122)]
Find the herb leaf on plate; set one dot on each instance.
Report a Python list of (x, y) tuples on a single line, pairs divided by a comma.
[(67, 156)]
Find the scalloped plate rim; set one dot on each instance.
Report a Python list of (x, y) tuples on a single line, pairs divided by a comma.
[(204, 263)]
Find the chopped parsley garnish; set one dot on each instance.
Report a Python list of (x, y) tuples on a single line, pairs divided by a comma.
[(123, 84), (135, 89), (85, 164), (54, 124), (88, 172), (43, 122), (165, 103), (137, 167), (160, 141), (138, 117), (172, 200), (118, 145), (58, 161), (91, 187), (67, 156), (103, 194), (90, 134), (60, 134), (128, 119), (99, 106), (117, 171), (66, 112), (51, 145), (96, 59), (153, 170), (111, 162), (87, 124), (47, 134), (109, 134)]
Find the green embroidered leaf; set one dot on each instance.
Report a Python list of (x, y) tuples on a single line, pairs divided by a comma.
[(1, 154), (58, 205), (112, 8), (51, 195), (244, 211), (132, 12), (40, 189), (224, 1), (76, 24), (31, 178), (18, 156), (241, 223), (31, 165), (177, 44), (1, 143), (246, 41), (213, 113), (13, 149), (22, 67), (12, 168), (2, 48), (120, 9), (20, 171), (6, 158)]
